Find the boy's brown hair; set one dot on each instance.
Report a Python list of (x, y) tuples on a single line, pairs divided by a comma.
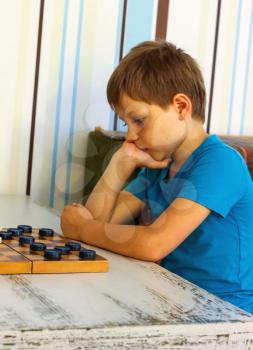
[(154, 72)]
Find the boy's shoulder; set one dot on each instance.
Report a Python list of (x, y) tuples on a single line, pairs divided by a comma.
[(214, 149), (214, 143), (213, 154), (217, 160)]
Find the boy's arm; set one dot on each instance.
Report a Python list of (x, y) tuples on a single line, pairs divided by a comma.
[(102, 200), (149, 243), (104, 203), (127, 208)]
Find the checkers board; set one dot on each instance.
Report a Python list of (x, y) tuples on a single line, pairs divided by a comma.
[(18, 257)]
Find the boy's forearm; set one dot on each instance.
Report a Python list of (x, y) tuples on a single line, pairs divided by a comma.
[(102, 200), (128, 240)]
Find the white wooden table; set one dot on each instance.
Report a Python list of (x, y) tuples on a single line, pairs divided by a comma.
[(136, 305)]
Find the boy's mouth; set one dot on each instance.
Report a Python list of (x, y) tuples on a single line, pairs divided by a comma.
[(142, 148)]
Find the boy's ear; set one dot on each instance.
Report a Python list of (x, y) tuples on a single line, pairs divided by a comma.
[(182, 104)]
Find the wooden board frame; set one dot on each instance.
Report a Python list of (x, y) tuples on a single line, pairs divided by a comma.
[(25, 261)]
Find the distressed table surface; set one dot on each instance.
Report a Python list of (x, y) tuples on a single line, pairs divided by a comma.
[(136, 305)]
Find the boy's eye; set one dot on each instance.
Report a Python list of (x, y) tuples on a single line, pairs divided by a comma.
[(139, 121)]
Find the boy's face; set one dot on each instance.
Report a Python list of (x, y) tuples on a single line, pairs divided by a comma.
[(151, 128)]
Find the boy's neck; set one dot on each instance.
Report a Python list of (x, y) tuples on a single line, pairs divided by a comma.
[(196, 135)]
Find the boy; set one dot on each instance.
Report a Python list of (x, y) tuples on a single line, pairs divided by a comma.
[(196, 190)]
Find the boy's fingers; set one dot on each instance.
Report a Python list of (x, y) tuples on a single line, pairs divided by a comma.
[(76, 205), (159, 165)]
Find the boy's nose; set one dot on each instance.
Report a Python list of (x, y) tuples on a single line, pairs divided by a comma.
[(131, 135)]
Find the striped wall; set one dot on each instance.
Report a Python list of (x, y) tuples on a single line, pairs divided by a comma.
[(74, 70), (233, 105), (81, 43)]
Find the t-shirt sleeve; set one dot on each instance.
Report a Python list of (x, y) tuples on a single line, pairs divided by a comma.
[(217, 180), (138, 185)]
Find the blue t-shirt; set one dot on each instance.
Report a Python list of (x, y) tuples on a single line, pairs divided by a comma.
[(218, 255)]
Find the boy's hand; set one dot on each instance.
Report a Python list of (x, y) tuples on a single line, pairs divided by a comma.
[(72, 220), (86, 214), (131, 154)]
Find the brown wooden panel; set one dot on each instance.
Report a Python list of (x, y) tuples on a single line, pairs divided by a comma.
[(162, 19), (215, 49), (12, 262), (69, 266), (35, 94)]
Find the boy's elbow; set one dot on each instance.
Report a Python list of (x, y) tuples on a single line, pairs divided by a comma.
[(155, 255), (155, 250)]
